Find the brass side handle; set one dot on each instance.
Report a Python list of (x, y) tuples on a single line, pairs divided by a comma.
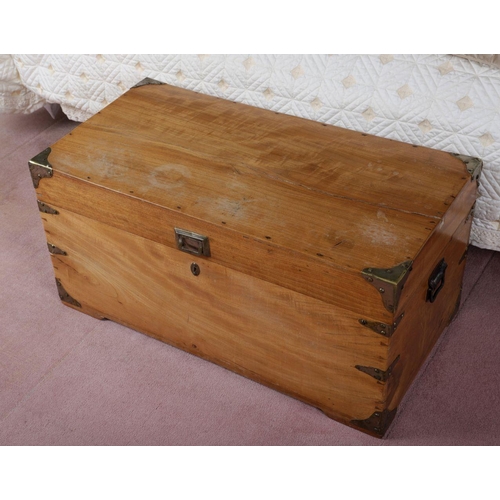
[(436, 281)]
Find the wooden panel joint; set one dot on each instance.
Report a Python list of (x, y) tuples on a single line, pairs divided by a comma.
[(464, 255), (471, 213)]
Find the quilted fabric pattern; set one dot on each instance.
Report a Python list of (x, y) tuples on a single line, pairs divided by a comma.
[(443, 102), (14, 96)]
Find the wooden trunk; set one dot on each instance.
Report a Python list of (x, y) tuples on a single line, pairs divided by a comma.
[(321, 262)]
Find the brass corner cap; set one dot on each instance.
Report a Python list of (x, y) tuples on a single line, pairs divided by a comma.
[(393, 275), (40, 166), (65, 296), (473, 165), (389, 282), (42, 159), (147, 81), (377, 423)]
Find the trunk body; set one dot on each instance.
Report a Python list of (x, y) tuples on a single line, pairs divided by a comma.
[(321, 262)]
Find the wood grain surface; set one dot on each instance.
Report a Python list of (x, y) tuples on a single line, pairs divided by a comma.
[(283, 339), (196, 128), (313, 275), (443, 233), (234, 166), (350, 234), (424, 322)]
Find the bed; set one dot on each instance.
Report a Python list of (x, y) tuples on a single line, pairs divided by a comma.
[(448, 102)]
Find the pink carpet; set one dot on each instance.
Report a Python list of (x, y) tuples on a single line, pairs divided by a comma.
[(68, 379)]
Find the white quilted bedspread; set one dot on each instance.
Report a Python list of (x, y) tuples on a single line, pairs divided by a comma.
[(438, 101)]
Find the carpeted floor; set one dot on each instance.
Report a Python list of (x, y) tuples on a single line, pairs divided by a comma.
[(68, 379)]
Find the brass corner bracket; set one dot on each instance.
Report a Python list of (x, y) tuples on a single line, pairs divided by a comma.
[(65, 296), (473, 165), (46, 209), (147, 81), (377, 373), (385, 329), (55, 250), (377, 423), (40, 167), (389, 282)]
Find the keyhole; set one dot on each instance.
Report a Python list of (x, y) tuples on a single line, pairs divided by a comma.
[(195, 269)]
